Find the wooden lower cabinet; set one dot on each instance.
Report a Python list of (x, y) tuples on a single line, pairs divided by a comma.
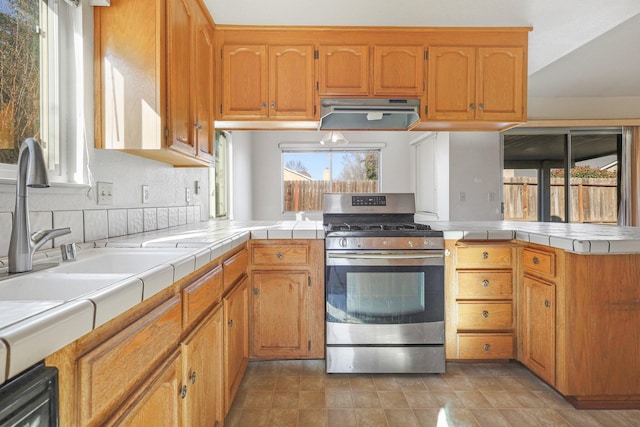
[(202, 374), (538, 322), (236, 339), (287, 299)]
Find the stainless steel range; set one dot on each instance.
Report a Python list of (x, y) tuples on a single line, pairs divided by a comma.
[(384, 286)]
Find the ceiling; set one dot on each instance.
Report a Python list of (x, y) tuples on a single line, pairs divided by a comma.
[(578, 48)]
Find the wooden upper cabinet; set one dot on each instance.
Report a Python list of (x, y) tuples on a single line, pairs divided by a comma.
[(398, 70), (451, 91), (291, 73), (343, 70), (244, 91), (180, 24), (469, 83), (499, 81), (262, 81), (204, 92)]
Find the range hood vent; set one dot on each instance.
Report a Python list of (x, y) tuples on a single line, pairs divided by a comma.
[(367, 113)]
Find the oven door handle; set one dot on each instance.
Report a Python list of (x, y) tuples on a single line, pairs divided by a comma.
[(385, 258)]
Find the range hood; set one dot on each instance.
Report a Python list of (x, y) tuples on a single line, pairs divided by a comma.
[(367, 113)]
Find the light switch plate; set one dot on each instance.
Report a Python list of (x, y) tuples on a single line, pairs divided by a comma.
[(187, 195), (145, 194), (105, 193)]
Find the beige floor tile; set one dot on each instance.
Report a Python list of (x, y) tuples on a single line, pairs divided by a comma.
[(486, 383), (312, 418), (338, 398), (253, 418), (427, 417), (611, 418), (490, 418), (283, 418), (578, 418), (288, 383), (362, 383), (265, 382), (312, 367), (631, 415), (342, 418), (393, 400), (436, 383), (386, 383), (460, 417), (365, 399), (512, 383), (285, 399), (312, 400), (338, 381), (548, 418), (312, 383), (460, 383), (448, 400), (258, 399), (474, 399), (553, 400), (411, 383), (420, 399), (501, 399), (401, 418), (527, 399), (371, 417), (519, 417)]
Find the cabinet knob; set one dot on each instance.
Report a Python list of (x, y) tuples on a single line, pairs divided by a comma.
[(273, 105), (230, 323), (192, 377), (485, 314), (485, 255), (472, 106), (485, 283), (280, 255), (547, 303), (198, 126), (486, 347), (263, 105), (183, 391), (480, 106), (535, 260), (256, 291)]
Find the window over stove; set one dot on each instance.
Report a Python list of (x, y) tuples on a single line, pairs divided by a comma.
[(307, 174)]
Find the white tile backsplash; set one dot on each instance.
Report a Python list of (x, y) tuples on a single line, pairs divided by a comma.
[(135, 221), (117, 222), (191, 214), (173, 216), (96, 225), (150, 219), (182, 215), (163, 218), (72, 219)]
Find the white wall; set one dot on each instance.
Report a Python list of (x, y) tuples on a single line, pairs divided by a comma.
[(430, 154), (474, 175), (241, 176), (266, 166)]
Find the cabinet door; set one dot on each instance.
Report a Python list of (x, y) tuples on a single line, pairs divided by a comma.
[(202, 374), (451, 91), (538, 326), (343, 70), (280, 332), (158, 403), (291, 79), (244, 90), (203, 77), (236, 339), (398, 70), (180, 25), (499, 82)]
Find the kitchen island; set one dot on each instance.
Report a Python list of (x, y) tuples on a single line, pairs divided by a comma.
[(595, 310)]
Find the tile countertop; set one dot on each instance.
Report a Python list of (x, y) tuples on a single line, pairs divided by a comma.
[(45, 327), (573, 237), (31, 330)]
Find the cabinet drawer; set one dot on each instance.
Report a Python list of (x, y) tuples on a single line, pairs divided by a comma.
[(481, 316), (538, 261), (483, 256), (486, 284), (485, 346), (110, 370), (200, 296), (234, 268), (271, 255)]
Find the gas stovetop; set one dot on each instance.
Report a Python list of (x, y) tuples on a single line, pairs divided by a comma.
[(376, 227)]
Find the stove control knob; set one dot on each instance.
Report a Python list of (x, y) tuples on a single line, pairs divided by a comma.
[(343, 242)]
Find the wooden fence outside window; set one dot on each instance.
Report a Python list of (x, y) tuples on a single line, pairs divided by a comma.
[(307, 195)]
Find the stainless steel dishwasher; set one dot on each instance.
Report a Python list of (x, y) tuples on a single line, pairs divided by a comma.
[(30, 399)]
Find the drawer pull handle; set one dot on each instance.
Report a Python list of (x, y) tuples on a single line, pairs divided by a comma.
[(536, 261), (486, 347), (485, 255), (485, 314), (192, 377), (230, 323), (280, 255), (547, 303), (485, 283), (183, 391)]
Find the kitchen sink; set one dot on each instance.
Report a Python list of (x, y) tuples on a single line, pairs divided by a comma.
[(120, 260), (50, 286)]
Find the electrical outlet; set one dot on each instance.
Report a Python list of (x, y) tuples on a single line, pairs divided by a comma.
[(105, 193), (463, 196), (145, 194), (187, 195)]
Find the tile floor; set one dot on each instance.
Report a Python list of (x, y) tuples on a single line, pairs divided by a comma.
[(300, 393)]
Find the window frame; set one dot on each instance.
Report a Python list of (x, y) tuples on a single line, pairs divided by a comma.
[(309, 148)]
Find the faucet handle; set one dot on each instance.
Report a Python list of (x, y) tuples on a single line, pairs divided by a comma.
[(68, 252)]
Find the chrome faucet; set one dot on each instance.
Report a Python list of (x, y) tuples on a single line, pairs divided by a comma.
[(32, 172)]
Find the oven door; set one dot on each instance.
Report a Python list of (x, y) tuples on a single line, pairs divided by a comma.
[(385, 297)]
